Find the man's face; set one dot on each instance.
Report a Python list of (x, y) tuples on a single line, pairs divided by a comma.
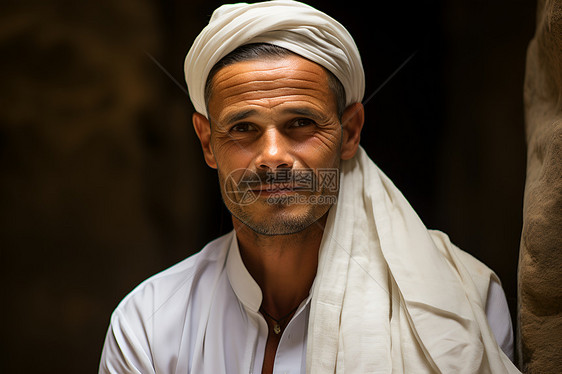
[(275, 140)]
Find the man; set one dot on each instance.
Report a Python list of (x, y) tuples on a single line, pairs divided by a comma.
[(328, 268)]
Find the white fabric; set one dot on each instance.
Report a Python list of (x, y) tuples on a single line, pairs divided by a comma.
[(496, 310), (391, 296), (286, 23), (200, 316)]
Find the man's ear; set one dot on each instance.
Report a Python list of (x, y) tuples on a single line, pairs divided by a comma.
[(352, 121), (203, 129)]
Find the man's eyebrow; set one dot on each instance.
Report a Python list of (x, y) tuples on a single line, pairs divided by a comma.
[(305, 112), (238, 116)]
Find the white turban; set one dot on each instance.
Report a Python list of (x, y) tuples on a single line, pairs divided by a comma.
[(289, 24)]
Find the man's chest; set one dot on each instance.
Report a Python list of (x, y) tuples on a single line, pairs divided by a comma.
[(223, 336)]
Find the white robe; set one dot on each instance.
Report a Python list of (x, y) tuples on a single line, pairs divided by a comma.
[(419, 306), (201, 316)]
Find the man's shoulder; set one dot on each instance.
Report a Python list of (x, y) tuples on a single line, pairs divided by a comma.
[(177, 280), (149, 318), (444, 244), (479, 272)]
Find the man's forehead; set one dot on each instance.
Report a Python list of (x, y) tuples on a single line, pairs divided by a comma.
[(271, 82), (255, 70)]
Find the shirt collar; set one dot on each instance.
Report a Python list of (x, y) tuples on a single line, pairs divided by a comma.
[(244, 286)]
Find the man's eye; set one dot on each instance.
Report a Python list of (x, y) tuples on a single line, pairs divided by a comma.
[(302, 122), (241, 127)]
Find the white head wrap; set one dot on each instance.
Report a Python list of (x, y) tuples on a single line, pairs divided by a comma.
[(289, 24)]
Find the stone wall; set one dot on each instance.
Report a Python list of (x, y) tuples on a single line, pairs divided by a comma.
[(540, 266)]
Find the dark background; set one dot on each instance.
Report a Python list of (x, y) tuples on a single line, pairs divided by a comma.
[(103, 182)]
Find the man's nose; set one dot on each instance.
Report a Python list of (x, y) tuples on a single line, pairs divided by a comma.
[(274, 151)]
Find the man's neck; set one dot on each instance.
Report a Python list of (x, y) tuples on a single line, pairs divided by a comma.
[(284, 266)]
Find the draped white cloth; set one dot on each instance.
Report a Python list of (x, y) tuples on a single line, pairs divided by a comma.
[(391, 296), (285, 23)]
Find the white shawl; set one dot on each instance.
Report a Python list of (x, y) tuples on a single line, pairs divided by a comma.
[(391, 296)]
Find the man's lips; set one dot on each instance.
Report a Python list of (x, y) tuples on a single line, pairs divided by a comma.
[(275, 189)]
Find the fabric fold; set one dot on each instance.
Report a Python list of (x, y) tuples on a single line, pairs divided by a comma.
[(408, 301)]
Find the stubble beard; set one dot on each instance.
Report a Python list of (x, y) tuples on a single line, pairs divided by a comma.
[(280, 219), (277, 218)]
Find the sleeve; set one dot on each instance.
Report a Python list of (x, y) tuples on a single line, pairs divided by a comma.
[(499, 319), (124, 351)]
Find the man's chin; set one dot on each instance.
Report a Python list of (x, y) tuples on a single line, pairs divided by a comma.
[(278, 223), (275, 231)]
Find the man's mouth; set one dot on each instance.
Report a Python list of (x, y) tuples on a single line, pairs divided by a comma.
[(275, 189)]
